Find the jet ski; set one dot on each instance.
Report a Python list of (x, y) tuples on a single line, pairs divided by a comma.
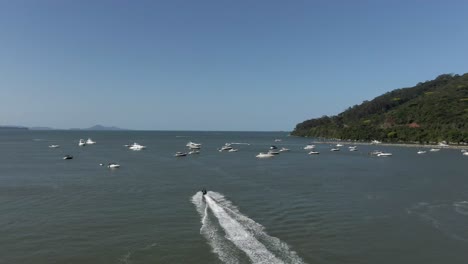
[(203, 191)]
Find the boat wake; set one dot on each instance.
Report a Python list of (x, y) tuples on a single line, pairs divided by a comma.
[(234, 237)]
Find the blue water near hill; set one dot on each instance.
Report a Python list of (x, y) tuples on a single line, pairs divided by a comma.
[(335, 207)]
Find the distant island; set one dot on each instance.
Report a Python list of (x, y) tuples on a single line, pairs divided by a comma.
[(13, 128), (93, 128), (430, 112)]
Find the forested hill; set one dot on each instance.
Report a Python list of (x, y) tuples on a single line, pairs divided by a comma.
[(431, 111)]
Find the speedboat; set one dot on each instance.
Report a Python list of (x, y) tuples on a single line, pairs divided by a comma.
[(113, 165), (54, 146), (339, 145), (193, 145), (233, 150), (434, 150), (375, 142), (273, 147), (180, 154), (273, 152), (384, 154), (309, 146), (353, 148), (375, 152), (283, 150), (264, 155), (67, 157), (314, 152), (90, 142), (226, 146), (136, 146), (335, 149), (465, 153), (82, 143), (194, 151), (422, 152)]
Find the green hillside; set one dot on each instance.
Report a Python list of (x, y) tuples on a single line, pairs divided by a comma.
[(431, 111)]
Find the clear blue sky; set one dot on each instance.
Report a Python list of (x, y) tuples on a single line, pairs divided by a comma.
[(216, 65)]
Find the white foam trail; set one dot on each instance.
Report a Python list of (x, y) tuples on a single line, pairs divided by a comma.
[(220, 245), (244, 233)]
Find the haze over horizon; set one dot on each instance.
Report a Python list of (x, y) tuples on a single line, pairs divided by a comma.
[(216, 65)]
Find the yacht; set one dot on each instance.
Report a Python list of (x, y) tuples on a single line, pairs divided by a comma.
[(339, 145), (264, 155), (54, 146), (67, 157), (113, 166), (353, 148), (82, 143), (233, 150), (136, 146), (313, 152), (422, 152), (90, 142), (384, 154), (180, 154), (194, 151), (273, 152), (335, 149), (434, 150), (283, 150), (192, 145), (309, 146), (226, 146)]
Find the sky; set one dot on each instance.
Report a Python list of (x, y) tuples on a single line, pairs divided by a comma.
[(261, 65)]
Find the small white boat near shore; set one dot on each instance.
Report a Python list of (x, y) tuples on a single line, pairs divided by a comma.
[(262, 155), (434, 150), (310, 146)]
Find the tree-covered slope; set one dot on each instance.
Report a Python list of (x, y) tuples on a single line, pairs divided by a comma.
[(431, 111)]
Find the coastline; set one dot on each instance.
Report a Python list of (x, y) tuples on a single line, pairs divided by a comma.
[(410, 145)]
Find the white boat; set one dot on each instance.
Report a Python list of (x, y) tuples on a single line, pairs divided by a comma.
[(422, 152), (273, 152), (442, 144), (314, 152), (375, 142), (339, 145), (384, 154), (309, 146), (193, 145), (81, 143), (335, 149), (67, 157), (273, 147), (227, 146), (90, 142), (283, 150), (434, 150), (353, 148), (233, 150), (278, 140), (54, 146), (194, 151), (465, 153), (136, 146), (262, 155), (113, 166), (180, 154)]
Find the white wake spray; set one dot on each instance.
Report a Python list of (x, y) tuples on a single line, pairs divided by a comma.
[(232, 234)]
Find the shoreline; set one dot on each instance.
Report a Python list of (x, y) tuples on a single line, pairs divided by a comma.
[(409, 145)]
